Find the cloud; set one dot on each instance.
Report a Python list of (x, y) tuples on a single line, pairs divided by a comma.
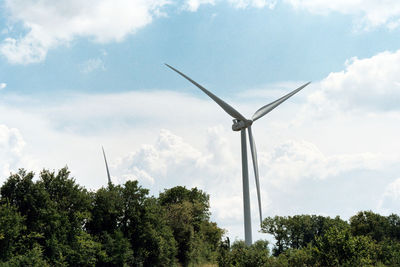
[(193, 5), (168, 157), (370, 84), (371, 13), (36, 26), (29, 49), (336, 154), (91, 65), (3, 85), (391, 197), (215, 167), (368, 14), (172, 161), (202, 151), (294, 160), (253, 3), (11, 150), (50, 24)]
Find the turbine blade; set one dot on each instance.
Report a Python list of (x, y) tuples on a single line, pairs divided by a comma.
[(108, 172), (230, 110), (255, 165), (267, 108)]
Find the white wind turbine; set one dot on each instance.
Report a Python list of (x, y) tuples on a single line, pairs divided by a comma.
[(108, 172), (240, 123)]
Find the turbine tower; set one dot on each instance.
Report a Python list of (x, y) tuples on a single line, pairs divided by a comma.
[(240, 123), (108, 172)]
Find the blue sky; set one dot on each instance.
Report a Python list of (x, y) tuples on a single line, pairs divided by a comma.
[(242, 48), (75, 76)]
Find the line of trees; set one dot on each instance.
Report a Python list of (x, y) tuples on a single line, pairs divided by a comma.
[(52, 221), (367, 239)]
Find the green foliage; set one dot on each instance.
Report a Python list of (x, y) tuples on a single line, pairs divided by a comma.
[(125, 214), (195, 198), (388, 251), (32, 257), (297, 257), (187, 214), (368, 239), (117, 250), (298, 231), (11, 228), (370, 224), (157, 236), (240, 255), (106, 210), (52, 221), (338, 247), (54, 209), (28, 197)]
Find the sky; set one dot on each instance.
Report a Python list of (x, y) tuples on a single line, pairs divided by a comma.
[(78, 75)]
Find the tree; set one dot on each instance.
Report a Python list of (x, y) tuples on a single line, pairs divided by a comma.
[(298, 231), (339, 248), (370, 224), (11, 230), (32, 257), (388, 251), (29, 198), (126, 214), (55, 211), (240, 255), (394, 226), (107, 210), (187, 213)]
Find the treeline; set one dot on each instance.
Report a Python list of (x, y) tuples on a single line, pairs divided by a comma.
[(52, 221), (368, 239)]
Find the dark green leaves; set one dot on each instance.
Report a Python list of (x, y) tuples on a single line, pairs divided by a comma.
[(52, 221)]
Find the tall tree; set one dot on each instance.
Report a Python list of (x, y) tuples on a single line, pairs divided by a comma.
[(371, 224), (188, 215), (298, 231)]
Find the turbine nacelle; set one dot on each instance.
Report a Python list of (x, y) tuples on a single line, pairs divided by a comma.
[(238, 125)]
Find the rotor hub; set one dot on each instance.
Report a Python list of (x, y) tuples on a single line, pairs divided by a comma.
[(239, 125)]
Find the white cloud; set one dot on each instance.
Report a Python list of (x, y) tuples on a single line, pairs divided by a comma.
[(215, 167), (167, 157), (92, 64), (368, 13), (391, 197), (372, 13), (370, 84), (171, 161), (393, 190), (292, 161), (50, 23), (253, 3), (193, 5), (11, 151), (3, 85), (29, 49), (340, 149)]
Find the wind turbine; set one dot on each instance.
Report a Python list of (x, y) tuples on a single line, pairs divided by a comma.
[(240, 123), (108, 172)]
